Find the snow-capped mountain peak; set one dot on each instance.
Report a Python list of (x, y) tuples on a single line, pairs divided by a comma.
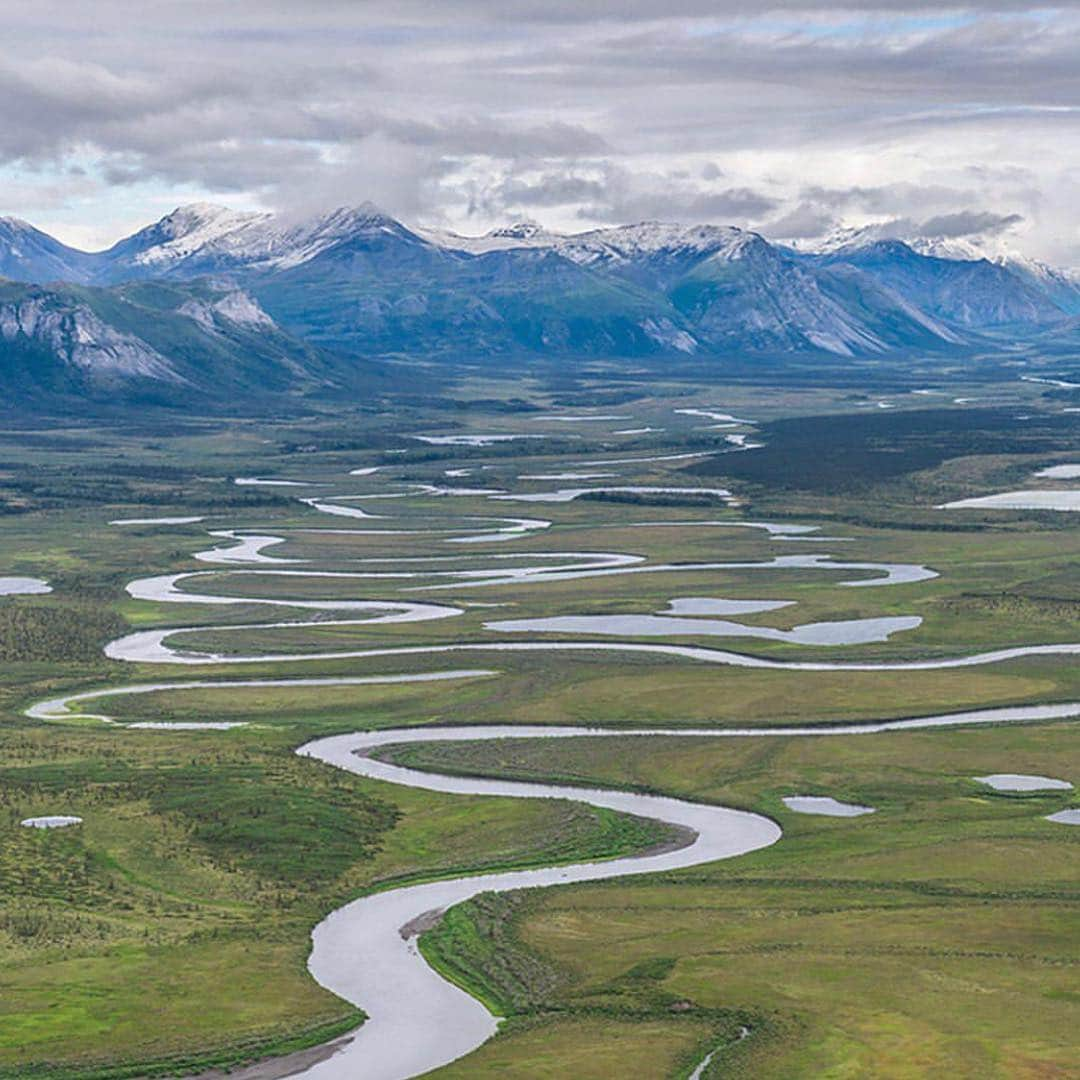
[(520, 230), (520, 234), (303, 241), (848, 240), (206, 218), (1043, 283), (619, 243), (204, 237), (955, 248), (343, 219), (995, 250), (190, 230), (651, 237)]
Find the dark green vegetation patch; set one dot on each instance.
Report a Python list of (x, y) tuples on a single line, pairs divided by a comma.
[(850, 452)]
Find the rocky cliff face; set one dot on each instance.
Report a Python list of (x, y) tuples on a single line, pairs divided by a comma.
[(76, 336)]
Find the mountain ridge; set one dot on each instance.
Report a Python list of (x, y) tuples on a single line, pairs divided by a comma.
[(185, 343), (354, 284)]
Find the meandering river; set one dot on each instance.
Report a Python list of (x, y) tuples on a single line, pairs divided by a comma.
[(366, 951), (417, 1020)]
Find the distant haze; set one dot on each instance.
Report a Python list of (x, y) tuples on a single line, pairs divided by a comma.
[(791, 118)]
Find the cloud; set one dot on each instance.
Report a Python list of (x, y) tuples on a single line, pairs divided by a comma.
[(970, 223), (789, 115), (740, 206), (549, 189), (806, 222), (802, 222)]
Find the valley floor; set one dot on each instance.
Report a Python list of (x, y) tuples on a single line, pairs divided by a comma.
[(363, 578)]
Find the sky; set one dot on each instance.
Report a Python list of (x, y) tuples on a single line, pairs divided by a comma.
[(792, 118)]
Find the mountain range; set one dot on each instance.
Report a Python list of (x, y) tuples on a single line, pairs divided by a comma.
[(209, 299)]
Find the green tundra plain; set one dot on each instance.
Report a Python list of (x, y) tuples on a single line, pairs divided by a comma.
[(168, 933)]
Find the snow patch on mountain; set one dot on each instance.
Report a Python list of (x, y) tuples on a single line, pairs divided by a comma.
[(597, 247), (522, 234), (295, 245), (651, 238), (204, 237), (1062, 285), (198, 228)]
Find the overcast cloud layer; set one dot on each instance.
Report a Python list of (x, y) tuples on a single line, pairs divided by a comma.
[(790, 119)]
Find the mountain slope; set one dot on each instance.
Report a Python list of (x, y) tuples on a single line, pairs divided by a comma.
[(197, 239), (637, 290), (750, 295), (28, 254), (1061, 287), (403, 294), (202, 238), (174, 344), (357, 281), (978, 295), (651, 253)]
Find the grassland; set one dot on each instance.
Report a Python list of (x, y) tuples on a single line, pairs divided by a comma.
[(936, 935), (202, 864)]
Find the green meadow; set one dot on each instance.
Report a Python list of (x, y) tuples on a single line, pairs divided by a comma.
[(169, 932), (935, 937)]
